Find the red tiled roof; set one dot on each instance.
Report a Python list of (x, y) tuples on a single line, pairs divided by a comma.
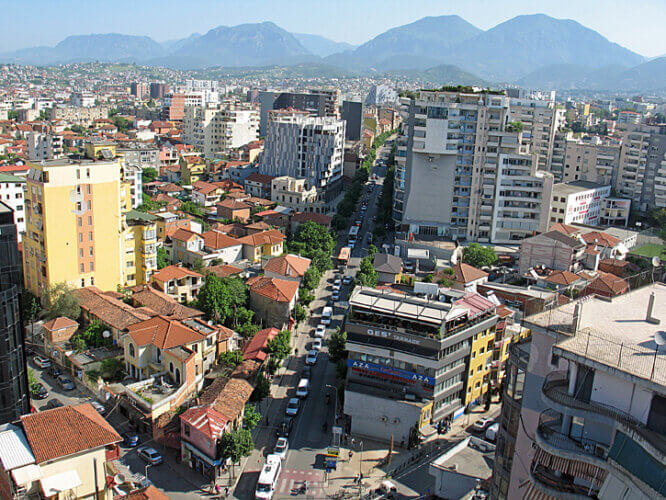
[(147, 493), (207, 420), (175, 272), (273, 288), (260, 178), (255, 348), (609, 283), (563, 228), (182, 234), (233, 204), (288, 265), (270, 237), (59, 324), (562, 278), (464, 273), (601, 239), (217, 240), (223, 270), (163, 332), (67, 430), (109, 310), (161, 303), (322, 219)]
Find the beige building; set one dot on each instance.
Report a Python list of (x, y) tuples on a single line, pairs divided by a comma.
[(297, 194), (589, 159), (178, 282)]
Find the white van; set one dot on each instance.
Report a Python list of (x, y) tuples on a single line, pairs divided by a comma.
[(268, 478), (303, 388), (326, 315)]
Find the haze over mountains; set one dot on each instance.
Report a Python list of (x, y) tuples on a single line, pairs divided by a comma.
[(534, 50)]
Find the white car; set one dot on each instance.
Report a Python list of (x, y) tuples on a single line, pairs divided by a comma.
[(150, 455), (337, 284), (317, 344), (311, 359), (293, 406), (480, 425), (320, 332), (491, 432), (42, 362), (281, 448), (335, 296)]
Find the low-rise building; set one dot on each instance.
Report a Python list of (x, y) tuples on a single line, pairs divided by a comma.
[(467, 277), (288, 267), (258, 185), (388, 267), (263, 245), (296, 194), (553, 250), (12, 190), (223, 247), (233, 209), (273, 300), (178, 282)]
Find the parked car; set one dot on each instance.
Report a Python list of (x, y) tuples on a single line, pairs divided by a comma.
[(303, 388), (281, 447), (101, 409), (320, 331), (55, 371), (480, 425), (317, 345), (130, 439), (150, 455), (66, 383), (491, 432), (347, 280), (38, 391), (335, 295), (311, 358), (293, 406), (306, 372), (285, 427), (337, 284), (54, 403), (42, 362)]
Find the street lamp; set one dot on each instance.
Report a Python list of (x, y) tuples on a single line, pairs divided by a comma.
[(145, 472), (360, 470)]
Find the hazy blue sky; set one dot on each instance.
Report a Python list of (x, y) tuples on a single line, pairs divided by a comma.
[(635, 24)]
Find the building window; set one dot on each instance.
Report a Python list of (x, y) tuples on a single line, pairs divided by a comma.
[(81, 267), (80, 221), (92, 266), (78, 173), (131, 350), (90, 236)]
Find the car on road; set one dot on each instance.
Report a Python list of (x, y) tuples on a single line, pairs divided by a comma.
[(55, 371), (491, 432), (130, 439), (320, 331), (347, 280), (409, 266), (351, 245), (281, 448), (311, 358), (54, 403), (482, 424), (101, 409), (66, 383), (285, 427), (326, 315), (293, 406), (317, 345), (303, 388), (38, 391), (42, 362), (335, 295), (150, 455)]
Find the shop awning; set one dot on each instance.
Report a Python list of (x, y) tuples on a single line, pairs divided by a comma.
[(201, 455), (59, 483)]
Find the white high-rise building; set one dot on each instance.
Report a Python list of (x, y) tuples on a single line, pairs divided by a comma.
[(44, 146), (305, 147), (221, 127)]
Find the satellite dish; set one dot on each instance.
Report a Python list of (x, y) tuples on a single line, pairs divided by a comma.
[(656, 261), (106, 334), (660, 338), (119, 479)]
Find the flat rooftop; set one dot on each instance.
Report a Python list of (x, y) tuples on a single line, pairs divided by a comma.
[(400, 304), (471, 457), (576, 187), (614, 332)]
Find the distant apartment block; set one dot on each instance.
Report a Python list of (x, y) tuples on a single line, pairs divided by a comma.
[(140, 90), (83, 99), (591, 159), (352, 114), (78, 115), (318, 102), (158, 90), (44, 146)]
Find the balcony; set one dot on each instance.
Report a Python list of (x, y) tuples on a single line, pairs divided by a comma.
[(559, 486)]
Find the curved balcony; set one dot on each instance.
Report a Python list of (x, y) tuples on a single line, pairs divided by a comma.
[(558, 486), (550, 438)]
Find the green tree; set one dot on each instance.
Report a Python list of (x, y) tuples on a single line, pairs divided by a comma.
[(366, 276), (93, 335), (235, 445), (149, 174), (300, 314), (112, 369), (219, 298), (336, 346), (479, 256), (58, 300), (311, 278), (30, 308), (33, 383), (78, 343), (251, 417), (372, 250), (122, 124), (262, 389), (230, 359), (311, 236), (305, 298), (193, 208), (321, 260), (280, 346), (12, 114), (162, 258), (148, 205)]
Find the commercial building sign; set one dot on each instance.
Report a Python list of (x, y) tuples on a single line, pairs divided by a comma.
[(376, 332), (388, 372)]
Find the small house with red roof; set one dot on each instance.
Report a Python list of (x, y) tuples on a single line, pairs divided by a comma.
[(273, 300), (178, 282)]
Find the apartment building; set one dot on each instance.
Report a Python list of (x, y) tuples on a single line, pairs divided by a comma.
[(44, 146), (642, 172), (592, 419), (14, 387), (590, 158), (578, 202), (140, 90), (409, 358), (296, 194), (318, 102), (83, 99), (12, 193), (140, 247), (78, 115), (219, 128), (74, 221), (464, 171), (305, 147)]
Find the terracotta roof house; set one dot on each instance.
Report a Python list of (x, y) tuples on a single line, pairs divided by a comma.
[(273, 299), (112, 312), (67, 445), (206, 193), (258, 185), (554, 249), (230, 208), (288, 267), (146, 493), (300, 217), (59, 329), (621, 268), (257, 227), (178, 282), (187, 247), (607, 285), (265, 244), (235, 230), (170, 188), (561, 280), (467, 277), (255, 349), (564, 229), (223, 270), (162, 304)]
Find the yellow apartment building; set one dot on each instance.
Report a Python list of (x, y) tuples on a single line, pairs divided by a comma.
[(74, 221), (140, 247), (478, 380)]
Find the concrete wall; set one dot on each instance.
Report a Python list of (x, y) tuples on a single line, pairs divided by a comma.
[(621, 394), (435, 179)]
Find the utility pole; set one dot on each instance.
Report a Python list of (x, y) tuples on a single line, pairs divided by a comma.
[(390, 454), (95, 476)]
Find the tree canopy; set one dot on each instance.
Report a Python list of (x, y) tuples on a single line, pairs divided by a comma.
[(280, 346), (336, 346), (221, 298), (479, 256), (58, 300), (149, 174), (235, 445), (366, 276)]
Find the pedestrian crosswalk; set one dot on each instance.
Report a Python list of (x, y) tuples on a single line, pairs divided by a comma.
[(290, 481)]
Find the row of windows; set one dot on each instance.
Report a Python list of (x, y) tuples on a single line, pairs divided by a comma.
[(448, 383)]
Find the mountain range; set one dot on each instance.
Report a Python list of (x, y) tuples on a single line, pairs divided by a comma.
[(534, 50)]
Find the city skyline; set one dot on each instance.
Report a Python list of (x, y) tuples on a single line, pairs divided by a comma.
[(635, 26)]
